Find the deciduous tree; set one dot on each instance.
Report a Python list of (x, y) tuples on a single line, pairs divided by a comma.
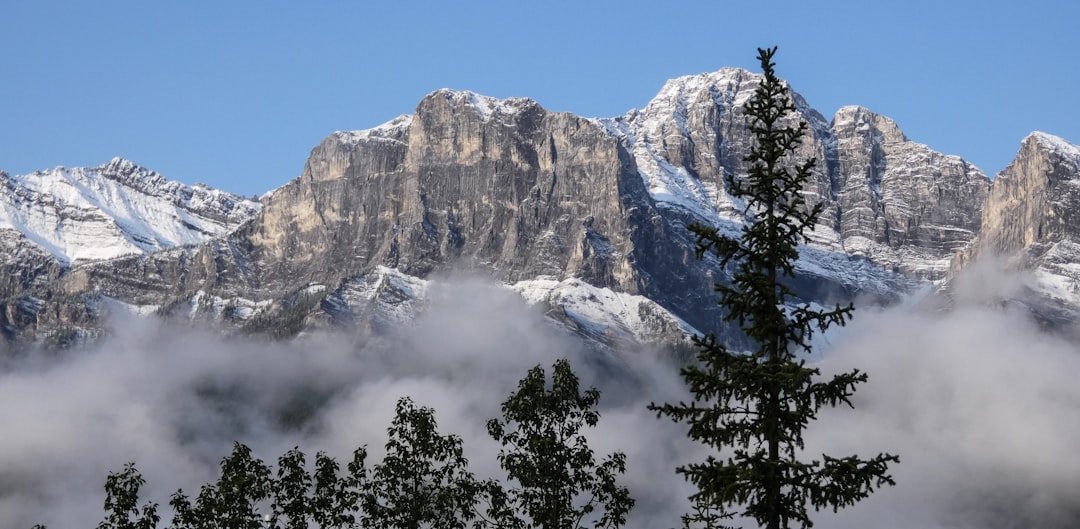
[(559, 483), (423, 481), (233, 501), (122, 509)]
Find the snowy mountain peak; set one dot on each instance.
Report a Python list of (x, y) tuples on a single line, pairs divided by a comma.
[(118, 208), (863, 120), (486, 107), (693, 133), (1055, 144), (118, 164), (734, 86)]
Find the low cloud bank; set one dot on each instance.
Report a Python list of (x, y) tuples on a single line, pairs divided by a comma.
[(981, 406)]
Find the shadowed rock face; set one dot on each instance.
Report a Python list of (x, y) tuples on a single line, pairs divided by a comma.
[(24, 266)]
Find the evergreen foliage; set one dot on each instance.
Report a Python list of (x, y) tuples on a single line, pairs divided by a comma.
[(559, 483), (754, 406)]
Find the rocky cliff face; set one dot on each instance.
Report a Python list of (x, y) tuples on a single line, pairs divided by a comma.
[(694, 133), (1031, 222), (901, 204), (1035, 199), (510, 190), (898, 203), (504, 185)]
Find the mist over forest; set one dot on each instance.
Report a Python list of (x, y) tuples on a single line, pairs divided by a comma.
[(980, 404)]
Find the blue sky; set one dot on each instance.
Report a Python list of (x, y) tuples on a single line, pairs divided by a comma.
[(235, 94)]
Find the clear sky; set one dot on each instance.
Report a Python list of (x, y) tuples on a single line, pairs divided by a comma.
[(236, 93)]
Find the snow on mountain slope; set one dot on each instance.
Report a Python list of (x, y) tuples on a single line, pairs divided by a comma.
[(902, 204), (487, 107), (693, 133), (383, 297), (604, 315), (1046, 171), (646, 133), (119, 208), (384, 132), (898, 203), (387, 298)]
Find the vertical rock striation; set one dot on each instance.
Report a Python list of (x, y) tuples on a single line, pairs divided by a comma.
[(1031, 221), (901, 204)]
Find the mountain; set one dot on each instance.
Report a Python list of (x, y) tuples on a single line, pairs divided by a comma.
[(53, 221), (902, 205), (1032, 223), (586, 216)]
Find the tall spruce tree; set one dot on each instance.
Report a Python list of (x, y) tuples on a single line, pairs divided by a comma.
[(753, 406)]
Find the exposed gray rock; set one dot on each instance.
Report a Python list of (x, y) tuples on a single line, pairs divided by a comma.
[(694, 134), (900, 203), (504, 185), (1031, 222), (24, 266)]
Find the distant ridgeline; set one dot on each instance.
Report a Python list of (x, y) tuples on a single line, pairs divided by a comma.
[(585, 217)]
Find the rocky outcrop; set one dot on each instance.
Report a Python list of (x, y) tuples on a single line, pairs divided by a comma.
[(502, 187), (1031, 222), (901, 204), (467, 179), (1036, 199), (24, 266), (898, 203), (694, 134)]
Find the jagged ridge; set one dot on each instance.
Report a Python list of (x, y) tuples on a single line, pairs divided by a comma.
[(509, 189), (119, 208)]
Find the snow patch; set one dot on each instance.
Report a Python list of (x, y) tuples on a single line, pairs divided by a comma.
[(386, 132), (604, 313), (1057, 145)]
